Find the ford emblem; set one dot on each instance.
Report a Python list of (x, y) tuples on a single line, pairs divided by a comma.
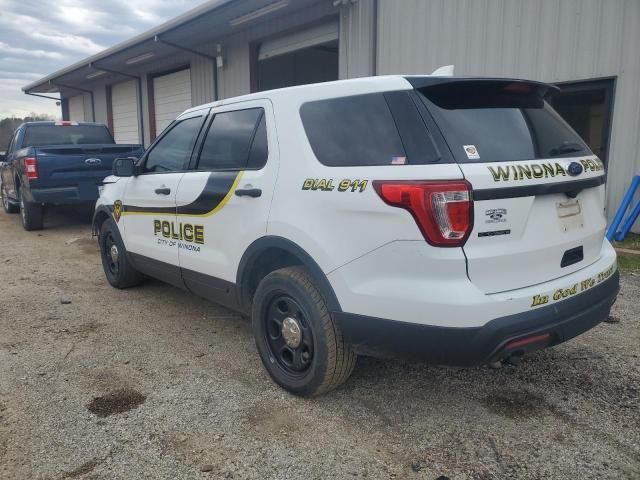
[(93, 161), (575, 169)]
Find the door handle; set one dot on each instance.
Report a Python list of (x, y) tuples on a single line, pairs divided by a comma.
[(163, 191), (249, 192)]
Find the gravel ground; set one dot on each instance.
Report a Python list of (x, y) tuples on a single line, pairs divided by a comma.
[(156, 383)]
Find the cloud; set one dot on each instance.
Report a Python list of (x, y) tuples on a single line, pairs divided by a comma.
[(38, 37)]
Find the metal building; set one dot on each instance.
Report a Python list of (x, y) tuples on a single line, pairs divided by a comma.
[(226, 48)]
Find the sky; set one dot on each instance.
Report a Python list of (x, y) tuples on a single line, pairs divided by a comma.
[(38, 37)]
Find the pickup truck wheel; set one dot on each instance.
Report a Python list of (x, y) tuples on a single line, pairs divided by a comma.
[(117, 267), (8, 205), (32, 214), (299, 343)]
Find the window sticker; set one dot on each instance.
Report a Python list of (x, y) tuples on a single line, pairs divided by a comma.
[(399, 161), (472, 152)]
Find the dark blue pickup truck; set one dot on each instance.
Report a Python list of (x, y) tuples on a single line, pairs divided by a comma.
[(56, 163)]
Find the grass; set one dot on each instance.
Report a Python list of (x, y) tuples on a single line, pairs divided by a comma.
[(632, 242), (628, 262)]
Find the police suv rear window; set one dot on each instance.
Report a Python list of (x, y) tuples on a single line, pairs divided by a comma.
[(499, 121), (353, 131), (39, 135)]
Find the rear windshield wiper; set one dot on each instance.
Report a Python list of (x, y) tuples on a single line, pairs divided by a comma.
[(565, 147)]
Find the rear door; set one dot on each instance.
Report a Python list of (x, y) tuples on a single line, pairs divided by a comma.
[(538, 190), (223, 202)]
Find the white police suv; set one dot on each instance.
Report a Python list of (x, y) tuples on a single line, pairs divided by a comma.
[(454, 220)]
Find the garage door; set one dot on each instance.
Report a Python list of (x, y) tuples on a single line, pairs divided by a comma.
[(307, 56), (76, 108), (325, 33), (124, 108), (171, 96)]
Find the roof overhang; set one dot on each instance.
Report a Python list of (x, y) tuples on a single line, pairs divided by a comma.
[(205, 24)]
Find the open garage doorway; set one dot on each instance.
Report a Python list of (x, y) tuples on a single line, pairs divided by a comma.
[(588, 107), (309, 56)]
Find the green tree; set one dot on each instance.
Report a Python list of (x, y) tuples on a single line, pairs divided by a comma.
[(8, 125)]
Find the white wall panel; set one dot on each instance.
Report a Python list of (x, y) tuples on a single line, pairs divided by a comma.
[(172, 96), (124, 106), (76, 108)]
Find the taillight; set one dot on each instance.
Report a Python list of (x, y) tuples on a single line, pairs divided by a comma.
[(442, 209), (31, 168)]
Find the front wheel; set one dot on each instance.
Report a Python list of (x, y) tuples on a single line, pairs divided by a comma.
[(32, 213), (298, 341), (117, 267)]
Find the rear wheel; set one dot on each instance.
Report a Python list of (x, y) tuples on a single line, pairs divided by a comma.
[(117, 267), (299, 343), (32, 213), (8, 205)]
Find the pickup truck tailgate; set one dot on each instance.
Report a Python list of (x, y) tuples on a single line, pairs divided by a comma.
[(66, 166)]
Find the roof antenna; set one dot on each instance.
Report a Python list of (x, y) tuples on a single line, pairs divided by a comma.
[(446, 71)]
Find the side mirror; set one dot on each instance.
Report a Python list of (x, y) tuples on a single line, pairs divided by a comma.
[(124, 167)]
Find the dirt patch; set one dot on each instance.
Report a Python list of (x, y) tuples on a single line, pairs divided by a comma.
[(83, 469), (118, 401), (517, 404)]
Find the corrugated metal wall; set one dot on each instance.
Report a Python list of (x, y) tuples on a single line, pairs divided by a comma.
[(548, 40), (357, 39)]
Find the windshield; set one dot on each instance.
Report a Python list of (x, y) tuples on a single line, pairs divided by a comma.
[(39, 135), (500, 121)]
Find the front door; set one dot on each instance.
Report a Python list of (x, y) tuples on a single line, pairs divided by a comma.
[(149, 205), (223, 202)]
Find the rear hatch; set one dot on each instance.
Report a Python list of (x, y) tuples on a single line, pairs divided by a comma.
[(538, 190)]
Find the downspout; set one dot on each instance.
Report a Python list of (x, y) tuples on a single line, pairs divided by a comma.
[(135, 77), (376, 4)]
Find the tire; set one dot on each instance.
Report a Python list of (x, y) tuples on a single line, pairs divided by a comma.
[(117, 267), (32, 213), (7, 205), (299, 343)]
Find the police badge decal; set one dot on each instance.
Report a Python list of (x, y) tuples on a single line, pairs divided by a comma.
[(117, 210)]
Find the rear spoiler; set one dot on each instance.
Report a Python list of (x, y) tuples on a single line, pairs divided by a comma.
[(538, 88)]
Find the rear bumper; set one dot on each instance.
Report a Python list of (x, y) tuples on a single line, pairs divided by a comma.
[(83, 193), (557, 323)]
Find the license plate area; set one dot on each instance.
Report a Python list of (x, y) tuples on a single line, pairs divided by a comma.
[(570, 215)]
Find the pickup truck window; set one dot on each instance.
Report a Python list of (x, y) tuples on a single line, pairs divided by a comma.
[(173, 149), (39, 135)]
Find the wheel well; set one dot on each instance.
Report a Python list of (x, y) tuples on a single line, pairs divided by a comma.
[(268, 261), (98, 220), (272, 253)]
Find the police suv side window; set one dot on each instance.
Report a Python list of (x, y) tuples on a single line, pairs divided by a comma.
[(174, 148), (235, 140), (353, 131)]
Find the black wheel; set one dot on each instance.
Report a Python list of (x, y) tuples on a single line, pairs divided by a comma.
[(299, 343), (32, 213), (8, 205), (117, 268)]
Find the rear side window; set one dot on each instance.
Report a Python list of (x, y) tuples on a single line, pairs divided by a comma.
[(40, 135), (230, 144), (174, 148), (353, 131), (500, 121)]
